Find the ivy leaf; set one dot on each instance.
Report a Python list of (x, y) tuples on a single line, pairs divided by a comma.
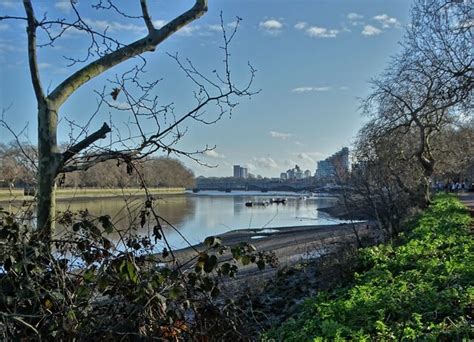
[(132, 272), (106, 223), (212, 241), (210, 263)]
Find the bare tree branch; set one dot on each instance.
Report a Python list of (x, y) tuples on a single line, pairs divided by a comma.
[(148, 43), (73, 150), (32, 56), (146, 16)]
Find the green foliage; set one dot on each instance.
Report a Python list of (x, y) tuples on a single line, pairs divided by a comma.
[(419, 288), (87, 288)]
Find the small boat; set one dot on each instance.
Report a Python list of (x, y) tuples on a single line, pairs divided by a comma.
[(196, 190), (278, 200), (257, 204), (228, 190)]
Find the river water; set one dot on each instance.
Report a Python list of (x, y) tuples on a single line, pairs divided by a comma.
[(197, 216)]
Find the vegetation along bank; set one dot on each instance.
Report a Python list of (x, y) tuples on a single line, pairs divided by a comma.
[(419, 286)]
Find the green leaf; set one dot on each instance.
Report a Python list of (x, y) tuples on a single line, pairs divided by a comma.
[(106, 224), (212, 241), (210, 264), (132, 272), (89, 275)]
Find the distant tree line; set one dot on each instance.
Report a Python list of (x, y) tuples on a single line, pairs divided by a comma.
[(17, 167)]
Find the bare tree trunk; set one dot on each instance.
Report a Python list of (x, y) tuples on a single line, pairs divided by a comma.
[(49, 159)]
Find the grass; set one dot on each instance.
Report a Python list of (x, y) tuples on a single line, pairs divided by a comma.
[(417, 288), (67, 193)]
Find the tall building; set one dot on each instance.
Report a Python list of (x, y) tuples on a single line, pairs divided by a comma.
[(236, 171), (334, 166), (240, 172)]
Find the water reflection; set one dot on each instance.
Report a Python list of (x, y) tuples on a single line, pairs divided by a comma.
[(201, 215), (125, 213)]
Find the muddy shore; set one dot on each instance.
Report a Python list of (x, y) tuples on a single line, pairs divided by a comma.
[(291, 245)]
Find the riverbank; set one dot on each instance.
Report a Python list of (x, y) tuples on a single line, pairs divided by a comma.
[(17, 195), (291, 245), (417, 288)]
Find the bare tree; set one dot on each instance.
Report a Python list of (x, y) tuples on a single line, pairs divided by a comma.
[(156, 127), (428, 85)]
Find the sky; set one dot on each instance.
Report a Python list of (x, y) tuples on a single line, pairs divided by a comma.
[(314, 62)]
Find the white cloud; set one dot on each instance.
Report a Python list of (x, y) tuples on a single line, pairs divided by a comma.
[(301, 25), (159, 23), (271, 26), (354, 16), (321, 32), (280, 135), (113, 26), (265, 163), (370, 30), (214, 154), (63, 6), (218, 27), (309, 89), (215, 27), (120, 105), (232, 24), (188, 30), (387, 21)]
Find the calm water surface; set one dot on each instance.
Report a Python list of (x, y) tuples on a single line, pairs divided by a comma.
[(197, 216)]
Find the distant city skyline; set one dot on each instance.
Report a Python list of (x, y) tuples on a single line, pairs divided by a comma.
[(314, 59)]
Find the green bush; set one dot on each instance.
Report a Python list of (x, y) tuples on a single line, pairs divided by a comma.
[(417, 288), (81, 286)]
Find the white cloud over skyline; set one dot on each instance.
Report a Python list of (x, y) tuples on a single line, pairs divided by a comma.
[(354, 16), (214, 154), (271, 26), (370, 30), (266, 163), (321, 32), (387, 21), (300, 25)]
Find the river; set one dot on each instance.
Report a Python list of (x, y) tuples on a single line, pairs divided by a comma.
[(197, 216)]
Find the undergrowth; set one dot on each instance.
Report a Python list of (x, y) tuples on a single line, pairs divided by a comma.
[(419, 287)]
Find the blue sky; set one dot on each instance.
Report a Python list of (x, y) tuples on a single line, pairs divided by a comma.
[(314, 60)]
